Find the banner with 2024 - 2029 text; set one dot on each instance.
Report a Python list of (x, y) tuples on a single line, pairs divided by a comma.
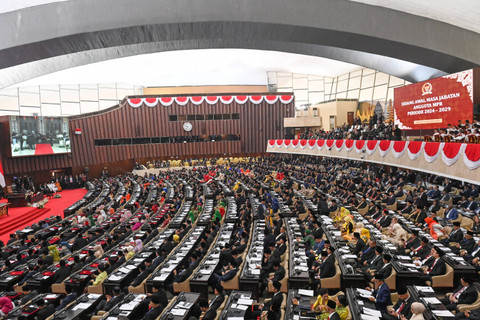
[(435, 103)]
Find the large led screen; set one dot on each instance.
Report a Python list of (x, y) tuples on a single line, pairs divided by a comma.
[(38, 136), (435, 103)]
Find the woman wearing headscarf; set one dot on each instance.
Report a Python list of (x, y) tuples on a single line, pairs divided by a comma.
[(217, 216), (91, 220), (191, 215), (434, 227), (130, 253), (399, 236), (98, 251), (347, 228), (137, 224), (53, 251), (100, 219), (308, 239), (138, 246)]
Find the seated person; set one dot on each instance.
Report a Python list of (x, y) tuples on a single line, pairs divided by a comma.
[(331, 313), (102, 276), (341, 310), (110, 300), (273, 304), (209, 313), (71, 296), (155, 309), (437, 268), (385, 270), (402, 307), (417, 312), (44, 310), (6, 305), (381, 294), (466, 293), (321, 302)]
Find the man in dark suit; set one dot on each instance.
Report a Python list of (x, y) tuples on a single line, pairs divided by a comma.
[(437, 268), (327, 269), (110, 300), (360, 245), (375, 263), (216, 302), (71, 296), (62, 273), (403, 307), (423, 199), (44, 310), (330, 308), (413, 242), (273, 304), (209, 313), (466, 293), (451, 213), (367, 253), (381, 295), (467, 244), (79, 243), (155, 309), (456, 235), (385, 271)]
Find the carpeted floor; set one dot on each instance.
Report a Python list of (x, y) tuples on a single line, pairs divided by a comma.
[(19, 217), (43, 148)]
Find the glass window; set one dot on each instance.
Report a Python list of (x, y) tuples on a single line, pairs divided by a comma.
[(156, 140), (121, 141), (190, 117), (141, 141), (236, 116), (182, 117), (210, 116), (200, 117), (165, 140), (103, 142), (218, 117), (227, 116), (172, 117)]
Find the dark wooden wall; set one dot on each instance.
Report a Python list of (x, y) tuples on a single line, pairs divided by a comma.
[(256, 125)]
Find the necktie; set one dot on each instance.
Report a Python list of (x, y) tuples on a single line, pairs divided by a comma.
[(401, 307), (456, 295), (433, 265)]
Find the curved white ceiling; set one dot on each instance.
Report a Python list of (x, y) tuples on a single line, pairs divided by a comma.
[(461, 13), (196, 67)]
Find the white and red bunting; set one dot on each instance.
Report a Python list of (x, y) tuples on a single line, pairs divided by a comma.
[(371, 146), (431, 150), (349, 145), (166, 101), (414, 149), (384, 147), (360, 146), (214, 99), (471, 156), (449, 152), (197, 100), (339, 145), (135, 102), (399, 148)]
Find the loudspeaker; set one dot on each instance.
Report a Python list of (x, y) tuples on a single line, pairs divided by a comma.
[(86, 170)]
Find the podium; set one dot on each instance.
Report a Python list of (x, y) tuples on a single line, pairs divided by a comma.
[(17, 199)]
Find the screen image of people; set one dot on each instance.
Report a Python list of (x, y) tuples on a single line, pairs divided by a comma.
[(39, 136)]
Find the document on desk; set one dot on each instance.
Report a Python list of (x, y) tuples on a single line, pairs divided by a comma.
[(424, 289), (94, 296), (178, 312), (247, 302), (81, 306), (349, 256), (303, 292), (404, 258), (114, 278), (235, 318), (124, 270), (409, 265), (368, 317), (364, 292), (432, 300), (372, 312), (242, 307), (443, 313), (128, 306), (51, 296), (255, 271)]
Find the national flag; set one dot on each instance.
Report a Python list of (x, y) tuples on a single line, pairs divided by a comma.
[(2, 176)]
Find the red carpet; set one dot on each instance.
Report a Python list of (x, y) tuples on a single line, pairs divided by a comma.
[(19, 218), (43, 148)]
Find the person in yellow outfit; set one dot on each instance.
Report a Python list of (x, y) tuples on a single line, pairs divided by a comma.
[(130, 253), (347, 228), (54, 253), (322, 299), (102, 276), (341, 308)]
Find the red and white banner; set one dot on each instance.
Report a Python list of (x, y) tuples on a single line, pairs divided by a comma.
[(448, 152), (384, 146), (2, 176), (435, 103), (414, 149), (371, 146), (399, 148), (471, 156), (197, 100)]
